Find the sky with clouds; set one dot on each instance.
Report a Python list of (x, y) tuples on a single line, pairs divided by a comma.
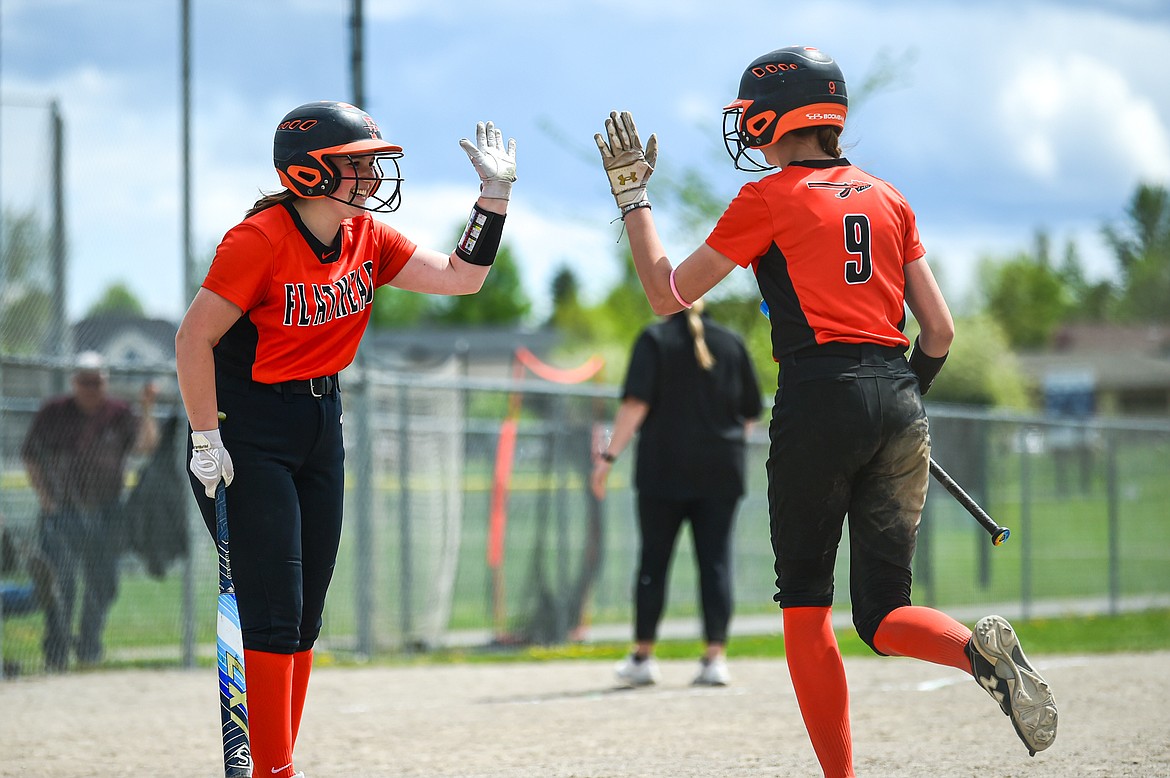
[(995, 119)]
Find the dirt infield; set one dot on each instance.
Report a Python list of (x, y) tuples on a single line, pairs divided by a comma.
[(565, 719)]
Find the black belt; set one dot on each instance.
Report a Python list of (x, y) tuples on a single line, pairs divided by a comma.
[(855, 350), (317, 387)]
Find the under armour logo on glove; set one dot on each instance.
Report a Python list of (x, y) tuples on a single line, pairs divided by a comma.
[(626, 163)]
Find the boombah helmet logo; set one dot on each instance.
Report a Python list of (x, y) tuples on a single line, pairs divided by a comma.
[(816, 116)]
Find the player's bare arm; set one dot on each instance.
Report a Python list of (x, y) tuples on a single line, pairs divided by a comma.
[(930, 310), (208, 318), (433, 272), (693, 277), (463, 271), (629, 167)]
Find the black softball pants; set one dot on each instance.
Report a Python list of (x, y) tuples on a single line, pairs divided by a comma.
[(284, 508), (659, 520), (848, 436)]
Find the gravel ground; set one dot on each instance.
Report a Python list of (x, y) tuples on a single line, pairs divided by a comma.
[(566, 719)]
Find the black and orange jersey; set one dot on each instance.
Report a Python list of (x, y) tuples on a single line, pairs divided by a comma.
[(828, 243), (305, 304)]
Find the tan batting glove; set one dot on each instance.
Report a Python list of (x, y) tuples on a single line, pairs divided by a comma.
[(626, 163), (495, 162)]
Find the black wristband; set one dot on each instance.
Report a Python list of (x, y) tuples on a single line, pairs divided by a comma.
[(608, 457), (635, 206), (925, 366), (481, 238)]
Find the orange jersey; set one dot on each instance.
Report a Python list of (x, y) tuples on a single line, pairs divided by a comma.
[(306, 305), (828, 243)]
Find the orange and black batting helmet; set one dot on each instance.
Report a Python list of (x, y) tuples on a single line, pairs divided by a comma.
[(784, 90), (311, 138)]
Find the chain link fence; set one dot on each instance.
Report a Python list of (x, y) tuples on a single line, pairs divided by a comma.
[(424, 566), (32, 229)]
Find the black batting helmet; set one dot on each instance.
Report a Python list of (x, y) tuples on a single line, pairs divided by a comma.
[(312, 139), (784, 90)]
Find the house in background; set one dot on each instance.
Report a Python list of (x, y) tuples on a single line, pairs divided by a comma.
[(134, 346), (127, 341), (1107, 369), (136, 350), (1091, 368)]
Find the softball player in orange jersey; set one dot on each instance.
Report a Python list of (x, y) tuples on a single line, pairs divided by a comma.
[(837, 256), (280, 313)]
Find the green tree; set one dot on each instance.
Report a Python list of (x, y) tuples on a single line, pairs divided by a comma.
[(396, 308), (569, 314), (1094, 301), (624, 311), (26, 302), (606, 329), (981, 368), (117, 299), (1141, 245), (1027, 295), (501, 301)]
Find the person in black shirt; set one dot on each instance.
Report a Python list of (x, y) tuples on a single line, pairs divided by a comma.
[(690, 393)]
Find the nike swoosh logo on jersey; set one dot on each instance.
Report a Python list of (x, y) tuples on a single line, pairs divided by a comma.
[(327, 255)]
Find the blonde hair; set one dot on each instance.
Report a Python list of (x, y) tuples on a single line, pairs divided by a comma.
[(269, 200), (703, 354)]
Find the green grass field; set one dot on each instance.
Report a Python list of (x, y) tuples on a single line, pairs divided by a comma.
[(1135, 632), (1090, 542)]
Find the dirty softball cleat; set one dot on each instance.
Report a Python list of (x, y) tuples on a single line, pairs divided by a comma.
[(999, 665)]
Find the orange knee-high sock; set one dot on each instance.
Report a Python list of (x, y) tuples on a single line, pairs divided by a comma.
[(818, 676), (302, 666), (924, 633), (269, 677)]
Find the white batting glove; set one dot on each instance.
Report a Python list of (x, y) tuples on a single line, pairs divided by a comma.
[(210, 461), (626, 163), (495, 164)]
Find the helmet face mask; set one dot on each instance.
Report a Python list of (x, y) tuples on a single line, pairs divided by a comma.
[(784, 90), (743, 154), (317, 144), (362, 176)]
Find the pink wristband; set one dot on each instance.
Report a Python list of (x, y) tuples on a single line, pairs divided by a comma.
[(674, 291)]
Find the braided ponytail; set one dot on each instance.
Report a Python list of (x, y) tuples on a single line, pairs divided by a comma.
[(703, 354)]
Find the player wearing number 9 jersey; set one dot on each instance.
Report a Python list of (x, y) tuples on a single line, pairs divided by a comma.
[(837, 257), (285, 302), (782, 227)]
